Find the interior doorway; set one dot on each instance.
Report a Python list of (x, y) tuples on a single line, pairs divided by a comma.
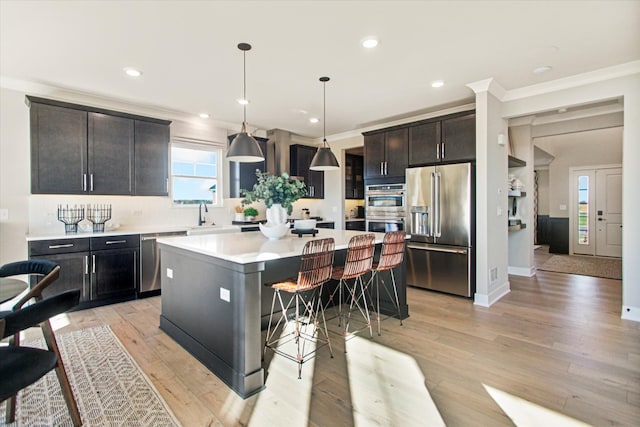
[(595, 220)]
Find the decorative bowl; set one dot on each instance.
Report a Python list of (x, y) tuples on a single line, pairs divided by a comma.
[(304, 224), (274, 231)]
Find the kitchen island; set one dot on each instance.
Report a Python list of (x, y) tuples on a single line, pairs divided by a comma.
[(214, 303)]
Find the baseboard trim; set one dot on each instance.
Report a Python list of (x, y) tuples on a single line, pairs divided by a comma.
[(522, 271), (631, 313), (494, 296)]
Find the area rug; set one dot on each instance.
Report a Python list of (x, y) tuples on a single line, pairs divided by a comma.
[(108, 385), (610, 268)]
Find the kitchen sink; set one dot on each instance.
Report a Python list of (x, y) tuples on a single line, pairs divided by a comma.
[(212, 229)]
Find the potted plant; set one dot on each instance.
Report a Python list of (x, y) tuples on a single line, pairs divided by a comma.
[(250, 213), (275, 190)]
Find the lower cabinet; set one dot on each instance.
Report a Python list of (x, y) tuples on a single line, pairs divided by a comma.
[(104, 268)]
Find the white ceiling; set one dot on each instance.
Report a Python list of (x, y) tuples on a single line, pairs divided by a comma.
[(187, 51)]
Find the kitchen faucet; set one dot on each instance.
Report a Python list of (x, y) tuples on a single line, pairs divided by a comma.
[(200, 218)]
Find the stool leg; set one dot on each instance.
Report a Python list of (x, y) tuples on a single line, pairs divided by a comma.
[(268, 337), (366, 308), (324, 321), (395, 291), (375, 273)]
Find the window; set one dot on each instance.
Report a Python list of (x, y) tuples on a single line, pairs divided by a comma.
[(583, 210), (195, 173)]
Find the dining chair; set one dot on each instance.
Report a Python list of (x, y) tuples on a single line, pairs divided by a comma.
[(358, 262), (305, 293), (21, 366), (391, 256)]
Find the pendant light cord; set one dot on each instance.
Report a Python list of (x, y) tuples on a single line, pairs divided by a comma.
[(324, 113), (244, 87)]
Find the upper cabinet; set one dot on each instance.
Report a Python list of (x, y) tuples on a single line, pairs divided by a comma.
[(353, 177), (83, 150), (242, 176), (385, 153), (300, 157), (447, 139)]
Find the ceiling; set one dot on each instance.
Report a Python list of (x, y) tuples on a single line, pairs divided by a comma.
[(187, 52)]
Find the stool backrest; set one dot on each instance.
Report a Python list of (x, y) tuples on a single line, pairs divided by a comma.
[(316, 263), (392, 252), (359, 256)]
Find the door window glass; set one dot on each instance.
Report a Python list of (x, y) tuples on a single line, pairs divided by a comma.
[(583, 210)]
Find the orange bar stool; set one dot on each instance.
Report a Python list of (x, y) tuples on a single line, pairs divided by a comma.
[(305, 290), (358, 263), (391, 256)]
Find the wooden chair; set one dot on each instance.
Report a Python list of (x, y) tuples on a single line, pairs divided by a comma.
[(357, 263), (21, 366), (391, 256), (305, 290)]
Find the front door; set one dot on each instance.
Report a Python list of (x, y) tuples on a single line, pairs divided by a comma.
[(596, 223)]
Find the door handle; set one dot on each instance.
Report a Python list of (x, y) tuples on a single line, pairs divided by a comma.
[(381, 169), (442, 156), (602, 219), (93, 262), (438, 151)]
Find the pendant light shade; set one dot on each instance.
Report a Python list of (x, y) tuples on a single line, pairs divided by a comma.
[(324, 159), (244, 148)]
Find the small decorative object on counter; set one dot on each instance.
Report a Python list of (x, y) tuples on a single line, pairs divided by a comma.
[(98, 215), (70, 217), (239, 216), (250, 213)]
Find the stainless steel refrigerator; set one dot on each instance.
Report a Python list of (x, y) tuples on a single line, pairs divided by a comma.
[(440, 204)]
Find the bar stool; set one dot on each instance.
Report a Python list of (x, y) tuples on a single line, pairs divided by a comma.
[(358, 263), (306, 290), (391, 256)]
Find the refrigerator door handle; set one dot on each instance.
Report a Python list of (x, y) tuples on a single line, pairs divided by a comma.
[(432, 231), (460, 251), (438, 229)]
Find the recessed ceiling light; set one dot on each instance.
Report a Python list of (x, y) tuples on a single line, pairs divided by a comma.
[(562, 110), (204, 115), (543, 69), (437, 83), (132, 72), (370, 42), (243, 101), (314, 120)]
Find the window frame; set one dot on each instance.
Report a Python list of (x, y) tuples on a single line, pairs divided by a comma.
[(202, 145)]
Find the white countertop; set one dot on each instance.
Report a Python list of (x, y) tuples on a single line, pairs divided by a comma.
[(245, 248)]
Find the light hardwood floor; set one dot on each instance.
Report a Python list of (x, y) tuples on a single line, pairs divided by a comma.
[(555, 340)]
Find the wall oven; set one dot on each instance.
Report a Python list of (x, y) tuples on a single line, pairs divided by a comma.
[(385, 207)]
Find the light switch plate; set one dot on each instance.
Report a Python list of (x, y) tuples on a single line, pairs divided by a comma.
[(169, 273), (225, 295)]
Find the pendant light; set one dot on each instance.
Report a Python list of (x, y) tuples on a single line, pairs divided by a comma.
[(244, 148), (324, 159)]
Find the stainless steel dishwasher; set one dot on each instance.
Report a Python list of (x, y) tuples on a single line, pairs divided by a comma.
[(150, 262)]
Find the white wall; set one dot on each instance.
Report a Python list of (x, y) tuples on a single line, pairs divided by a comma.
[(590, 148), (543, 191)]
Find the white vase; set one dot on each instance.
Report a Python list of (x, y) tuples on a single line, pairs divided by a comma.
[(276, 214)]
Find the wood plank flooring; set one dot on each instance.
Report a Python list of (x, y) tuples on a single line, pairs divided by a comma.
[(556, 341)]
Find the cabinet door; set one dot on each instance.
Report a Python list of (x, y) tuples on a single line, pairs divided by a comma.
[(58, 149), (242, 176), (110, 142), (349, 189), (374, 155), (358, 177), (459, 138), (397, 152), (423, 143), (300, 157), (151, 159), (74, 274), (114, 273)]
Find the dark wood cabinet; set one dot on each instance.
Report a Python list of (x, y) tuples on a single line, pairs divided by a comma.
[(242, 176), (459, 138), (353, 177), (446, 139), (104, 268), (386, 153), (300, 157), (424, 143), (58, 150), (110, 154), (82, 150), (151, 172)]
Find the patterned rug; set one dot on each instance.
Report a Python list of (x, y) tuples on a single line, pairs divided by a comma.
[(108, 385), (610, 268)]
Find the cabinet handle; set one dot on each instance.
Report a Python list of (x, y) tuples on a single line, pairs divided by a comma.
[(438, 151), (93, 264), (91, 181), (381, 171), (66, 245), (167, 180), (84, 182), (386, 171), (442, 150), (86, 268), (114, 242)]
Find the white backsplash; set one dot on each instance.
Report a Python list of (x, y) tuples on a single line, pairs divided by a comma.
[(143, 212)]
